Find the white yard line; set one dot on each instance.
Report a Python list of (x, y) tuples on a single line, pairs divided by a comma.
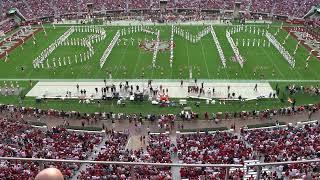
[(274, 65), (188, 55), (84, 67), (204, 56), (171, 74), (135, 68), (121, 59)]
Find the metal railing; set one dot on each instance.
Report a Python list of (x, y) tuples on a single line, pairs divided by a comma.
[(224, 166), (42, 161), (260, 165)]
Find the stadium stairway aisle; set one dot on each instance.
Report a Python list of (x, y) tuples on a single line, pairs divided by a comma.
[(93, 156), (249, 173), (175, 170), (134, 143)]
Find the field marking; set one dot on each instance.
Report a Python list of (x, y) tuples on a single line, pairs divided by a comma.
[(135, 68), (302, 54), (174, 54), (122, 57), (227, 73), (153, 68), (188, 58), (286, 47), (270, 60), (203, 54), (274, 64), (228, 45), (107, 40), (284, 31)]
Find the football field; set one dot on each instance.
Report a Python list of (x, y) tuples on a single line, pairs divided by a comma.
[(132, 56)]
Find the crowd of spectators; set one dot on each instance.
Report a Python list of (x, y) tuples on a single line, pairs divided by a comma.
[(284, 7), (285, 144), (21, 6), (304, 7), (218, 148), (262, 6), (165, 120), (65, 6), (19, 139), (7, 26), (113, 150), (268, 113), (211, 4), (157, 151), (292, 143), (289, 143), (42, 8), (155, 4), (185, 4), (141, 4), (293, 8), (109, 5)]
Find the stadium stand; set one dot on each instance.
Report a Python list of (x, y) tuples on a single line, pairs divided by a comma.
[(211, 4), (286, 144), (141, 4), (289, 143), (7, 25), (275, 144), (112, 150), (265, 145), (217, 148), (22, 140), (39, 8), (263, 6), (158, 151)]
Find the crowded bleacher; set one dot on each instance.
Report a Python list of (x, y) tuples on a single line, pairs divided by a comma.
[(158, 151), (218, 148), (112, 150), (279, 143), (36, 9), (290, 143), (22, 140), (40, 8)]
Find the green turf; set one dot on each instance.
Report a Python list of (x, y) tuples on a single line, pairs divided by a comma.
[(132, 62), (146, 108)]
